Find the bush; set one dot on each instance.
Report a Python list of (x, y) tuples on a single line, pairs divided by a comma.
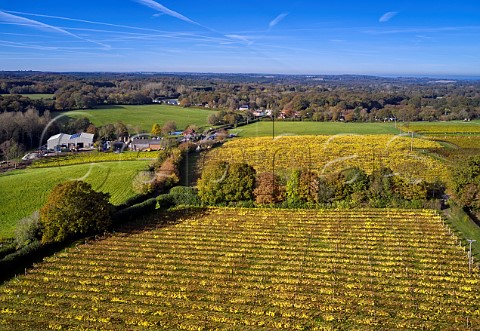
[(268, 189), (23, 252), (466, 183), (164, 201), (28, 230), (224, 182), (74, 208), (7, 246), (183, 195), (136, 210), (144, 182)]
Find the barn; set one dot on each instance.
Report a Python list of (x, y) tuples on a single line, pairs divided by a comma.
[(57, 141), (75, 141), (141, 144), (81, 140)]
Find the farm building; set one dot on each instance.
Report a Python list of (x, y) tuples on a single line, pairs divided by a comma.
[(58, 140), (74, 141), (139, 144)]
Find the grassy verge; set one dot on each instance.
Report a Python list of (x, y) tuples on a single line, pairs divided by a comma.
[(465, 227)]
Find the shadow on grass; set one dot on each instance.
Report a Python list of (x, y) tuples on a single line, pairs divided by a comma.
[(158, 219)]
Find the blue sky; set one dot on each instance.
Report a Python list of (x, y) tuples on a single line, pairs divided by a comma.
[(440, 38)]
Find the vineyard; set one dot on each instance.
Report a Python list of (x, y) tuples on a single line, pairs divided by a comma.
[(91, 157), (471, 141), (326, 154), (454, 127), (248, 269)]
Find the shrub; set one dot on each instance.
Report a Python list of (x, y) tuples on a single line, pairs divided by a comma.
[(268, 189), (466, 183), (292, 191), (144, 182), (183, 195), (164, 201), (224, 182), (28, 230), (74, 208)]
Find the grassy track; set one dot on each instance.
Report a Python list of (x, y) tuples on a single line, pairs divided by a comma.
[(255, 269), (143, 116), (264, 128), (24, 191)]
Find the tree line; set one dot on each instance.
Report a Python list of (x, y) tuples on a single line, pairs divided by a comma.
[(323, 98), (319, 98), (224, 183)]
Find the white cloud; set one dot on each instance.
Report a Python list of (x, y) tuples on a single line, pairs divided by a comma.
[(239, 37), (18, 20), (161, 8), (387, 16), (277, 20)]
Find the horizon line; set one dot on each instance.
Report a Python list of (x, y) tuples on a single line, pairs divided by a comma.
[(383, 75)]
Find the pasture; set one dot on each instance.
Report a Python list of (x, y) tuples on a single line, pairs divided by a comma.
[(24, 191), (255, 269), (264, 128), (142, 116)]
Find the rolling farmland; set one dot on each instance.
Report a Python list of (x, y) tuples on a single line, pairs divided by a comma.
[(143, 116), (241, 269)]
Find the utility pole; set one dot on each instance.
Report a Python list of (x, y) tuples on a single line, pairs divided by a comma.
[(411, 143), (470, 257), (273, 172), (273, 124)]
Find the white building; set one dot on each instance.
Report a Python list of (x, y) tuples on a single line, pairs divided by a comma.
[(74, 141), (58, 140)]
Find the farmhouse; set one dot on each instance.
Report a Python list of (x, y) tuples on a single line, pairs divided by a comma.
[(141, 144), (75, 141), (166, 101)]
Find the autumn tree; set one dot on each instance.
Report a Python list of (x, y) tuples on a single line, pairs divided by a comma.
[(10, 149), (74, 208), (121, 130), (225, 182), (156, 130), (466, 183), (268, 189), (292, 192), (169, 127), (107, 132)]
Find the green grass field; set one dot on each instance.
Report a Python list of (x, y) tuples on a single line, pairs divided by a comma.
[(36, 96), (143, 116), (24, 191), (260, 129)]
